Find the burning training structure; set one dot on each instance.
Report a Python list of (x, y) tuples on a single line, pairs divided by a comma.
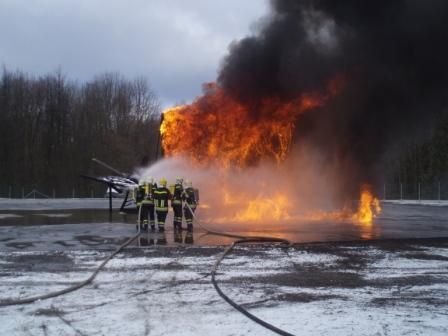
[(217, 131), (310, 107)]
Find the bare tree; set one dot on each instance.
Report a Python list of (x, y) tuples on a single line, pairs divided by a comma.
[(52, 127)]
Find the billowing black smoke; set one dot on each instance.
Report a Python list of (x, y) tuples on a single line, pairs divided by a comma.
[(393, 55)]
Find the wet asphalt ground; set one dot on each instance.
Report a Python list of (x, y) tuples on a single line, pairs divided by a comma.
[(51, 227)]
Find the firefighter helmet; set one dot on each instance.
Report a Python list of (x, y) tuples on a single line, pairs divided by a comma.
[(149, 180), (163, 181), (188, 183), (179, 180)]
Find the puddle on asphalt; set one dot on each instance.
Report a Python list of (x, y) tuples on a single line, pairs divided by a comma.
[(55, 215), (20, 245), (8, 216), (71, 216)]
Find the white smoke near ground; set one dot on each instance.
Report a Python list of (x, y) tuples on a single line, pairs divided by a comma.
[(266, 194)]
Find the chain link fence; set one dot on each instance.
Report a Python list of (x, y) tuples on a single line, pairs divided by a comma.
[(30, 193), (419, 191)]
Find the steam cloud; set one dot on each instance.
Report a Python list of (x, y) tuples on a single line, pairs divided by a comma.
[(289, 192), (392, 54)]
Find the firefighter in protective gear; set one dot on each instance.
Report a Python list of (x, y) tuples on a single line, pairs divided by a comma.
[(189, 197), (161, 197), (148, 204), (139, 195), (152, 214), (176, 203)]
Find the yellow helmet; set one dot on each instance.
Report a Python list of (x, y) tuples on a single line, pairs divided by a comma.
[(163, 181)]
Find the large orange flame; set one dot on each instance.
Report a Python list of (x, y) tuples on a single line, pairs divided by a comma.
[(217, 128)]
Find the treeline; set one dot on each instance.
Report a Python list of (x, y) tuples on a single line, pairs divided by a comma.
[(423, 164), (52, 127)]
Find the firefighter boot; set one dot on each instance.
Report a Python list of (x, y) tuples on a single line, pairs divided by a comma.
[(189, 238), (178, 237)]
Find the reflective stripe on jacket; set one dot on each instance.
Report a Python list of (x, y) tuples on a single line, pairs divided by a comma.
[(161, 197)]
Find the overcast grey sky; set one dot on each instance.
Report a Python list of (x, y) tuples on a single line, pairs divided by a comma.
[(176, 44)]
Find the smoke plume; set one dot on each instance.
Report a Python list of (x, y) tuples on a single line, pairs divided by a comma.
[(391, 54)]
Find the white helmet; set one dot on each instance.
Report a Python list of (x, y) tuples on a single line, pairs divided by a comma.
[(179, 180), (188, 183), (149, 180)]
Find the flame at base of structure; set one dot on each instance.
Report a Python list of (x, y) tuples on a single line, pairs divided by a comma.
[(260, 209), (369, 206), (279, 207)]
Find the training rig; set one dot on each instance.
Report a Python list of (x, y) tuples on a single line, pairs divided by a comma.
[(121, 184)]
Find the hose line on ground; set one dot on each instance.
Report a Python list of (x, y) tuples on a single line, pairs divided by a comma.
[(241, 240), (11, 302)]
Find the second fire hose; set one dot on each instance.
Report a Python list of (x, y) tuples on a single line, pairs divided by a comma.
[(241, 240)]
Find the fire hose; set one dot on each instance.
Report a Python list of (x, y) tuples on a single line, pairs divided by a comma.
[(12, 302), (241, 240)]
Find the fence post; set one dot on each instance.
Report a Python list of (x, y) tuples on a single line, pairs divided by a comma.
[(91, 193), (54, 193), (439, 192), (73, 193), (401, 191), (10, 192), (23, 192)]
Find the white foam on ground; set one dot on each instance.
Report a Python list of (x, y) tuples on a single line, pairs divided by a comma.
[(173, 296)]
